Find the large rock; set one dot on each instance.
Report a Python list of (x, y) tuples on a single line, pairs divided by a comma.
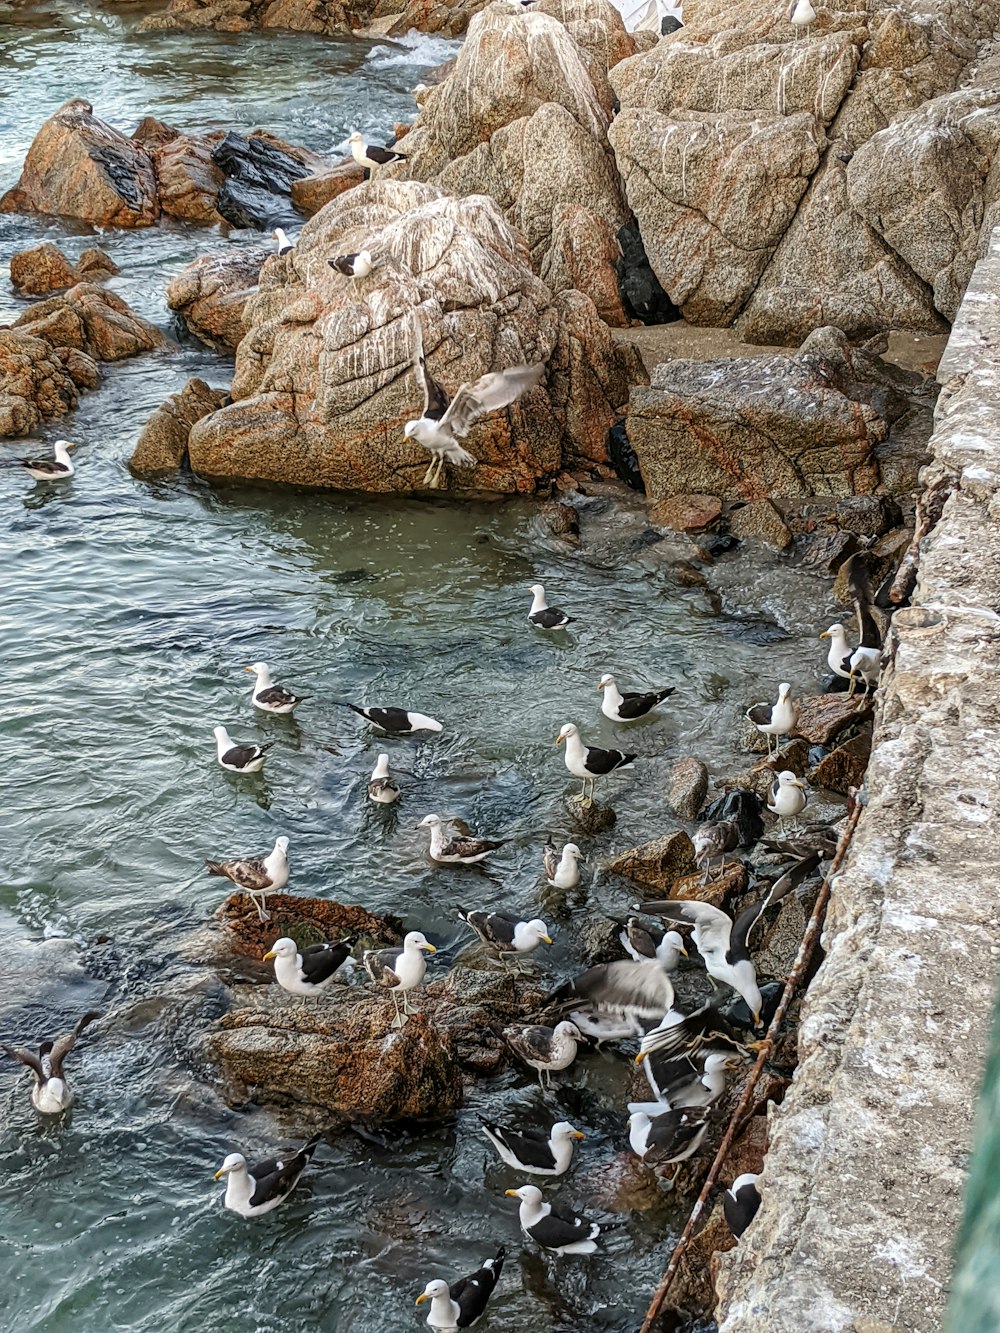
[(524, 118), (89, 319), (44, 268), (162, 445), (325, 18), (210, 296), (310, 193), (79, 167), (188, 180), (35, 384), (657, 864), (322, 386)]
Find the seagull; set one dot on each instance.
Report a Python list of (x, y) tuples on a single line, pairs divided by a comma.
[(668, 1137), (624, 991), (358, 265), (543, 616), (788, 796), (254, 1190), (776, 719), (309, 970), (715, 839), (532, 1150), (371, 155), (801, 15), (587, 761), (444, 421), (865, 662), (562, 871), (506, 934), (237, 758), (396, 721), (285, 246), (722, 942), (678, 1083), (740, 1203), (838, 657), (671, 1053), (628, 707), (264, 874), (553, 1227), (57, 468), (461, 1304), (643, 941), (400, 970), (466, 851), (381, 787), (545, 1049), (270, 698), (822, 838), (51, 1094)]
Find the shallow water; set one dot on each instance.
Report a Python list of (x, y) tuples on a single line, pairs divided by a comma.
[(128, 614)]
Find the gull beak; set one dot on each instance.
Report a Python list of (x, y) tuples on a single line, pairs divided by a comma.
[(756, 1020), (269, 955), (559, 740), (640, 1057), (511, 1194), (251, 670), (219, 1174), (430, 948), (600, 685), (578, 1135), (824, 635), (547, 939), (421, 1298), (684, 951), (801, 785)]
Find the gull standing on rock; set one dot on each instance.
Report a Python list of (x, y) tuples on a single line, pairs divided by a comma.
[(271, 698), (715, 839), (57, 468), (561, 871), (358, 265), (381, 787), (443, 421), (465, 851), (255, 875), (51, 1094), (801, 15), (370, 155), (308, 971), (544, 1049), (587, 761), (788, 797), (668, 1137), (400, 970), (777, 719), (629, 707), (465, 1301), (237, 757), (254, 1190), (285, 246), (506, 934), (543, 616)]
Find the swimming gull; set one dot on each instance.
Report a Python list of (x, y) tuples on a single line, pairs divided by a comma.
[(396, 721), (543, 616), (553, 1226), (561, 869), (254, 1190), (264, 874), (381, 787), (57, 468), (237, 756), (271, 698), (462, 850), (537, 1152), (629, 707), (462, 1303)]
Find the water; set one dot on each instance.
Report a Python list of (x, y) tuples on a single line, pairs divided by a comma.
[(129, 612)]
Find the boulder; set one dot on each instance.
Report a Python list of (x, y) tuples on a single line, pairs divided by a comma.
[(95, 263), (325, 18), (35, 384), (687, 787), (523, 118), (732, 879), (44, 268), (322, 387), (657, 864), (258, 179), (686, 513), (90, 320), (760, 521), (188, 179), (242, 935), (210, 296), (79, 167), (844, 767), (310, 193), (162, 444), (824, 716)]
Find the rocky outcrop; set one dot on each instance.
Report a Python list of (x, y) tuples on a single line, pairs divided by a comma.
[(310, 193), (44, 268), (323, 384), (89, 319), (523, 118), (325, 18), (210, 296), (35, 383), (657, 864), (162, 445)]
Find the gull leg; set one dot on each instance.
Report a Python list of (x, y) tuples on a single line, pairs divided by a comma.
[(440, 470), (399, 1020), (430, 470)]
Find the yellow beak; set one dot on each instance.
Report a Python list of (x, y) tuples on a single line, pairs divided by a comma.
[(756, 1020), (430, 948), (511, 1194), (824, 635), (421, 1298), (251, 670), (546, 939), (218, 1175), (578, 1135), (600, 685), (269, 955), (683, 950), (559, 740), (640, 1057), (801, 785)]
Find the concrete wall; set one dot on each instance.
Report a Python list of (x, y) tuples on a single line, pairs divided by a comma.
[(863, 1181)]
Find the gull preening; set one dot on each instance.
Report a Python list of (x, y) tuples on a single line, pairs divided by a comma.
[(370, 155), (461, 1304), (537, 1152), (777, 719), (667, 1138), (677, 1082), (561, 868), (552, 1226), (543, 616), (629, 707), (399, 970), (443, 421), (466, 851), (308, 971), (285, 246), (588, 761), (57, 468), (381, 788), (254, 1190), (238, 756), (51, 1094), (271, 698), (264, 874)]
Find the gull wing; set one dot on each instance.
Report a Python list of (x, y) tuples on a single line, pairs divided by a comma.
[(435, 399), (746, 921), (714, 926), (488, 394), (62, 1046)]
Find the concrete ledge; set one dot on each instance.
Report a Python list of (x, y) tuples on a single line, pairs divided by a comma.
[(863, 1181)]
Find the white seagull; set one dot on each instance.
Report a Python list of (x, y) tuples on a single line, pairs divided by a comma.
[(587, 761), (443, 421), (370, 155), (255, 875), (254, 1190), (396, 721), (51, 1094), (357, 265), (643, 941), (543, 616), (466, 851), (271, 698), (57, 468), (506, 934), (534, 1151), (801, 15), (239, 758), (561, 870), (788, 796), (285, 246), (400, 970), (381, 787), (553, 1227), (629, 707), (308, 971), (777, 719), (461, 1304)]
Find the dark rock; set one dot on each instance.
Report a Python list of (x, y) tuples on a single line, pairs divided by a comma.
[(657, 864), (622, 457), (745, 809), (845, 766), (670, 23), (688, 787), (599, 940), (825, 552), (589, 816), (562, 520), (642, 296), (868, 515), (256, 162), (244, 205), (793, 756)]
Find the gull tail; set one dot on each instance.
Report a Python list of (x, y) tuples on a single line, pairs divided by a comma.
[(215, 868)]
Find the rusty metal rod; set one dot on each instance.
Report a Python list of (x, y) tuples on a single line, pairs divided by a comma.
[(809, 941)]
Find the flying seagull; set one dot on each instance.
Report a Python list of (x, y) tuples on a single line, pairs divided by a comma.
[(239, 758), (628, 707), (57, 468), (254, 1190), (462, 1303), (264, 874), (271, 698), (626, 991), (444, 421), (51, 1094), (370, 155)]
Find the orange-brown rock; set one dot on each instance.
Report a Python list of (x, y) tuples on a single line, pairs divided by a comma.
[(187, 179), (79, 167), (686, 513), (43, 268), (823, 716), (95, 263), (845, 766), (582, 255), (323, 386), (306, 920), (35, 384), (325, 18), (209, 297), (311, 192), (721, 885), (90, 320), (162, 445), (658, 864)]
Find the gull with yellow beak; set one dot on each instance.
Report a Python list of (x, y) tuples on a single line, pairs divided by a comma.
[(778, 719), (462, 1303), (629, 707), (506, 934), (399, 970), (533, 1150), (587, 761), (552, 1226), (308, 971), (254, 1190), (271, 698), (788, 797)]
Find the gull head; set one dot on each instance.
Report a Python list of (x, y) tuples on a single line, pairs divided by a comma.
[(537, 590), (529, 1194), (220, 733), (433, 1290), (281, 844), (258, 668), (283, 948), (606, 680), (564, 1130), (784, 690), (572, 849), (567, 1029), (788, 779), (354, 137), (570, 729), (540, 929), (234, 1162), (834, 632), (431, 821), (675, 938), (410, 429), (415, 940)]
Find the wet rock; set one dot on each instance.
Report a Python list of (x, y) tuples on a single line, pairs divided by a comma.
[(563, 521), (687, 788), (589, 816), (43, 268), (188, 178), (824, 716), (35, 385), (642, 296), (686, 513), (693, 1289), (826, 552), (305, 920), (721, 885), (79, 167), (474, 1005), (657, 864), (95, 263), (259, 172), (82, 369), (599, 940), (778, 943), (845, 766), (319, 370), (622, 457), (759, 779), (210, 296), (162, 444), (310, 193), (622, 1184), (880, 562), (759, 520), (90, 320), (745, 809)]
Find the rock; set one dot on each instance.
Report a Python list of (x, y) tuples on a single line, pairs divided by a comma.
[(599, 940), (868, 515), (262, 165), (162, 445), (826, 552), (688, 786), (880, 561), (537, 144), (589, 816), (823, 716), (720, 886), (321, 388), (562, 520), (642, 296), (657, 864), (760, 521), (35, 384), (94, 262), (310, 193), (693, 1289), (474, 1005), (751, 428), (778, 943), (622, 1184), (82, 369), (90, 320), (686, 513), (845, 766), (759, 779), (210, 296), (305, 920), (622, 457), (743, 807), (188, 178), (43, 268), (79, 167), (326, 18)]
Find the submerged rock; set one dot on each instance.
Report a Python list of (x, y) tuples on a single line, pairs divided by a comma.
[(162, 444)]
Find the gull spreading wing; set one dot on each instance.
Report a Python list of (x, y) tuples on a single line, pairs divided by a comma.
[(714, 926), (435, 399), (488, 394)]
